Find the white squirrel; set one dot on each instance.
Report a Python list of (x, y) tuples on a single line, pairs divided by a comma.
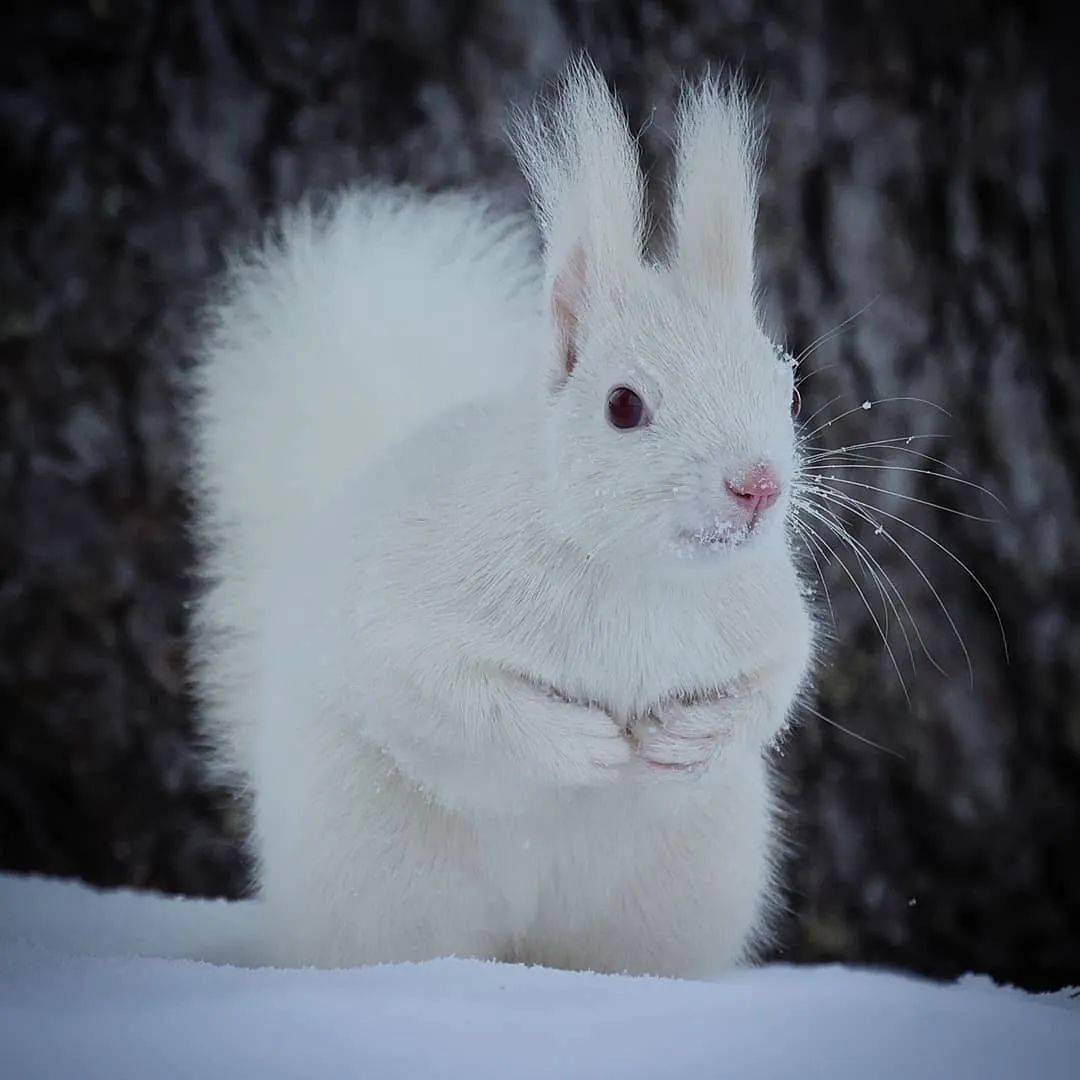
[(502, 616)]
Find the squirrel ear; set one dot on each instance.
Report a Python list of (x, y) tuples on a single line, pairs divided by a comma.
[(582, 167), (567, 303), (715, 204)]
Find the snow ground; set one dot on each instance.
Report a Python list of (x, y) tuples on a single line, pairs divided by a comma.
[(95, 985)]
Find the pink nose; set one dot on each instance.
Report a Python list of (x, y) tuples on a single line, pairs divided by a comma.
[(756, 490)]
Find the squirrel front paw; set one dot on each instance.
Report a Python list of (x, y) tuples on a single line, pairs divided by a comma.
[(686, 739), (588, 747)]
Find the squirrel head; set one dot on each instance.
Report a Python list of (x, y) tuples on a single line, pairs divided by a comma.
[(667, 410)]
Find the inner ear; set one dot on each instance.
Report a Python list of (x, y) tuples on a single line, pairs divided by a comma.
[(567, 304)]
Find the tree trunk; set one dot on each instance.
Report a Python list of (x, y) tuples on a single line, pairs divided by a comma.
[(920, 200)]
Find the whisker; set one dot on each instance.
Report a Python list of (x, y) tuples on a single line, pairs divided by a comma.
[(799, 528), (830, 334), (881, 592), (822, 475), (899, 595), (854, 734), (884, 465), (853, 456), (814, 512), (822, 478), (807, 505), (858, 508), (810, 374), (893, 446), (817, 412), (843, 500), (885, 585), (884, 458), (866, 406)]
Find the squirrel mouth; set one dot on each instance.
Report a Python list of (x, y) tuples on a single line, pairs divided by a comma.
[(720, 535)]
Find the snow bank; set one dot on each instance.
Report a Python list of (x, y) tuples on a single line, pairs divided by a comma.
[(82, 995)]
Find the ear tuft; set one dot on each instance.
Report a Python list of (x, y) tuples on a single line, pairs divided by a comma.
[(715, 207), (582, 167)]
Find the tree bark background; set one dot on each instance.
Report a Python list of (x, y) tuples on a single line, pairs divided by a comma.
[(920, 157)]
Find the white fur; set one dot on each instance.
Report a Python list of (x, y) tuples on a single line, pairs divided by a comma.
[(491, 700)]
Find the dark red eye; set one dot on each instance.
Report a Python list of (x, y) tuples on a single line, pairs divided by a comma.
[(625, 409), (796, 402)]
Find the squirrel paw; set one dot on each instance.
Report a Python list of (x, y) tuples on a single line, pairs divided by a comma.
[(685, 739)]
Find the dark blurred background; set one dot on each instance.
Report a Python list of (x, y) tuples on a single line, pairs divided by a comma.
[(921, 156)]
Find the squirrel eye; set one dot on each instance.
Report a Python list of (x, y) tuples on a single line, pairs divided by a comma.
[(796, 402), (625, 409)]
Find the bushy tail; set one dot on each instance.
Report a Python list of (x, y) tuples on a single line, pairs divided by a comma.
[(346, 330)]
